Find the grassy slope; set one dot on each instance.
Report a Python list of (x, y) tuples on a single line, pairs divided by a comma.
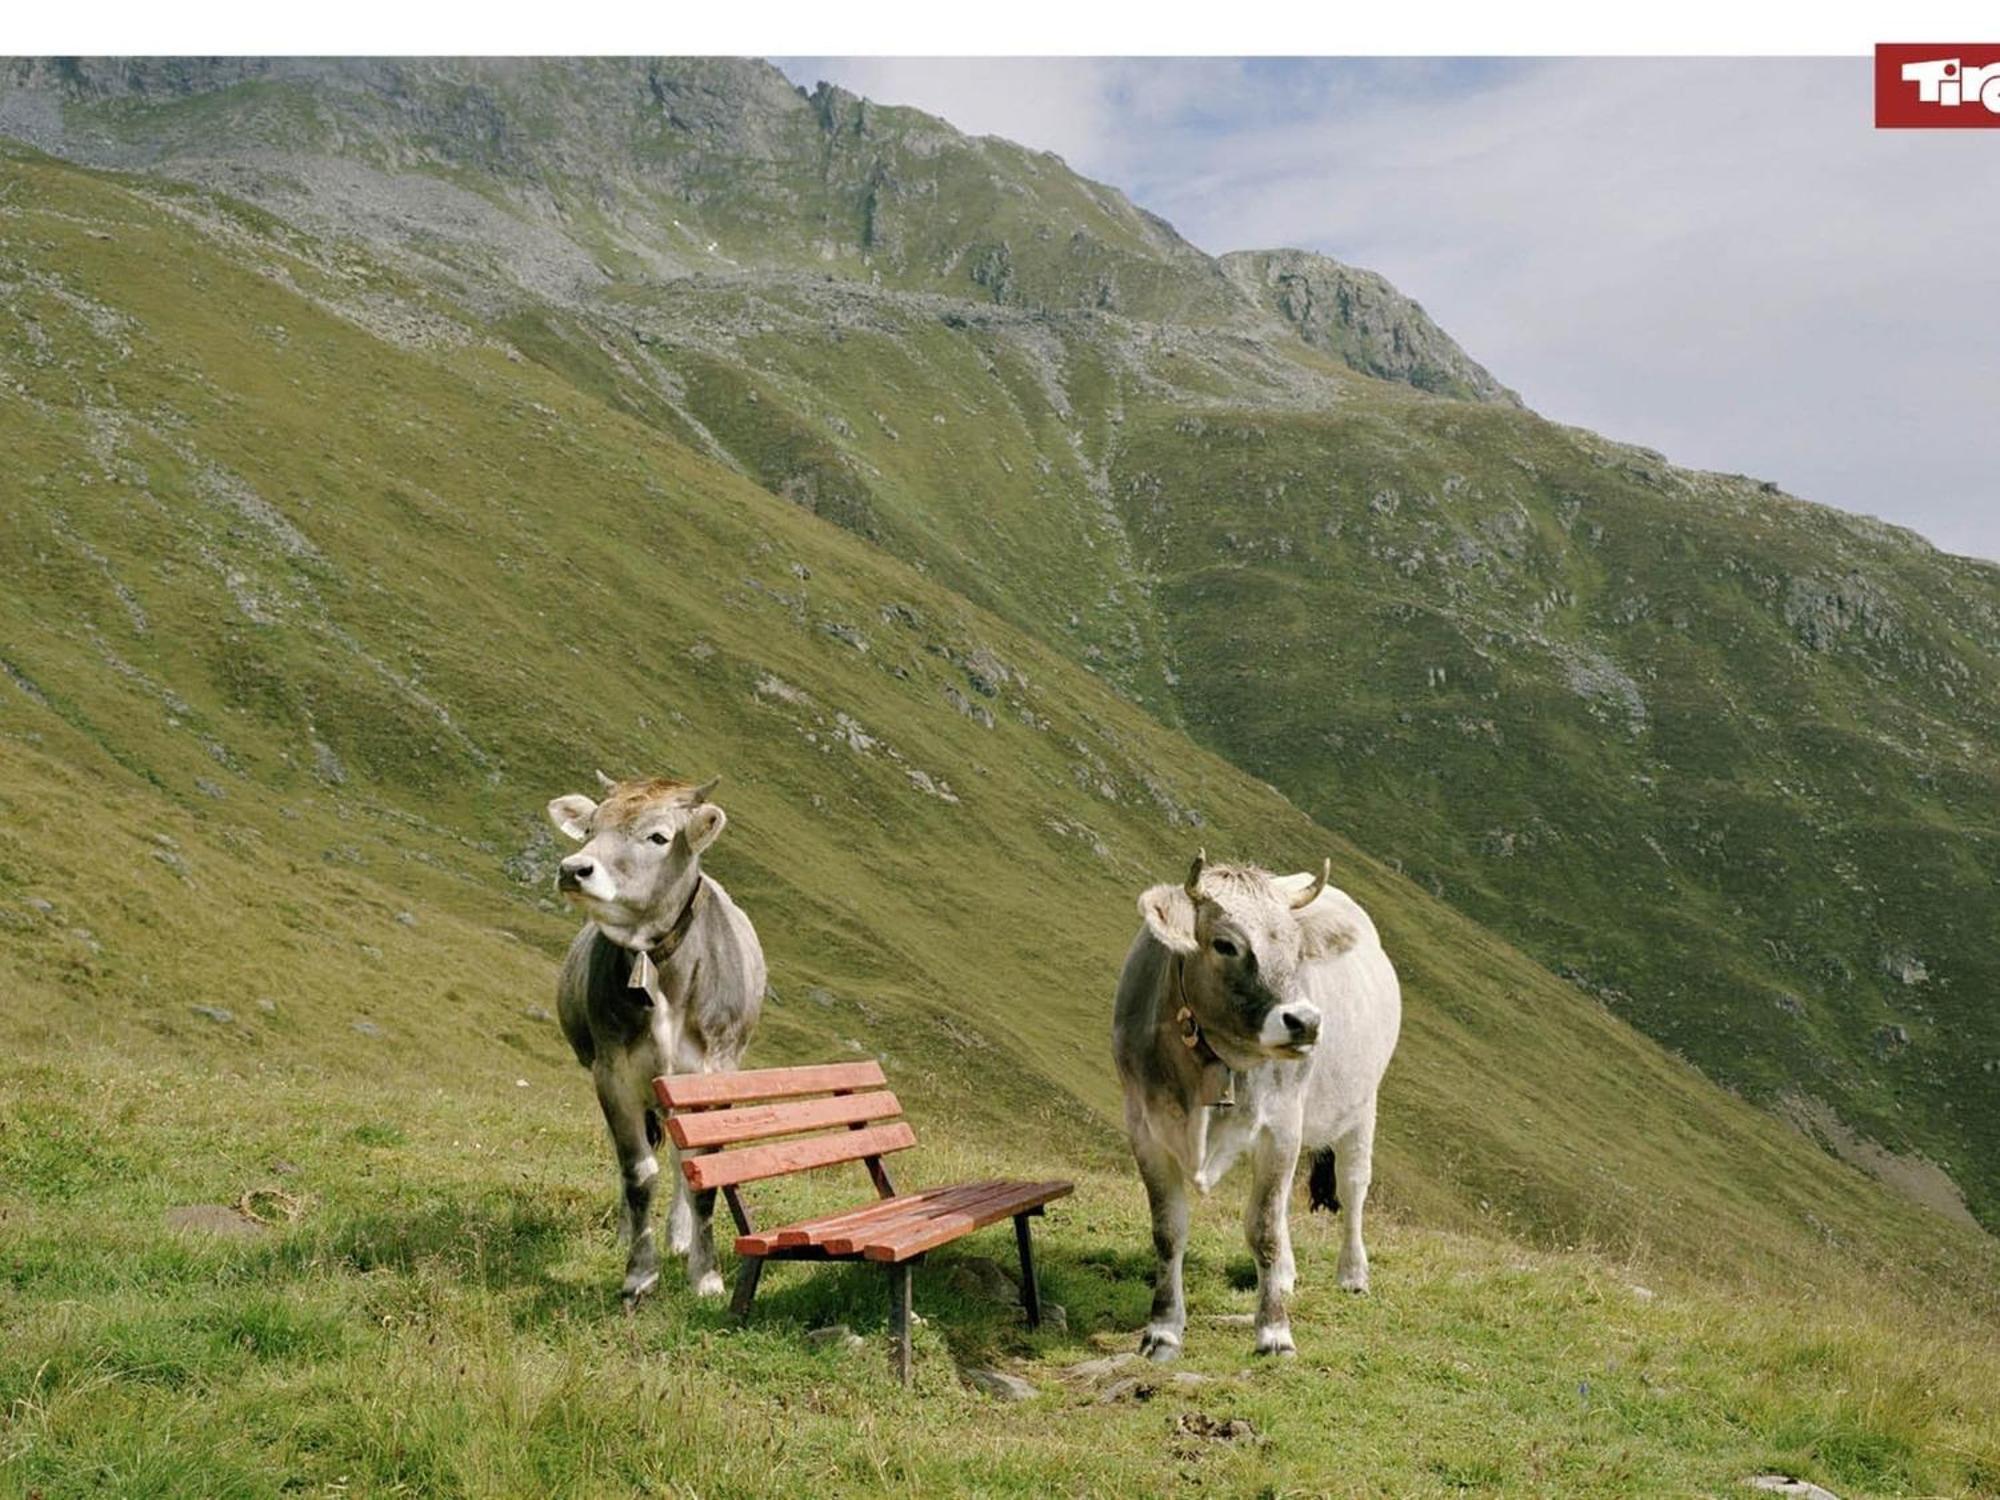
[(301, 628), (1725, 758), (1506, 653)]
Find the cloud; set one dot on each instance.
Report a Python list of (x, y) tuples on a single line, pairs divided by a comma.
[(1719, 258)]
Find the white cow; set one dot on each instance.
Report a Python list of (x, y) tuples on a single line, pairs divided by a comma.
[(1256, 1014)]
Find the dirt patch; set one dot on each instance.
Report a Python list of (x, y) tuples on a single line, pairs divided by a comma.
[(219, 1219), (1915, 1177)]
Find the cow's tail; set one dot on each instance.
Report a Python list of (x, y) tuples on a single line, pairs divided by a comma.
[(1321, 1191)]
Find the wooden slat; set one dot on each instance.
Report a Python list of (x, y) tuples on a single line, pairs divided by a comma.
[(708, 1090), (946, 1227), (722, 1168), (910, 1239), (704, 1090), (756, 1122), (818, 1231), (853, 1240), (811, 1231)]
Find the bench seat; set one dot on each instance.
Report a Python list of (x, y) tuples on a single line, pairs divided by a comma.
[(735, 1128), (894, 1229)]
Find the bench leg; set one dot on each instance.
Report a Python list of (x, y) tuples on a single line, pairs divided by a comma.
[(747, 1276), (1031, 1294), (899, 1317)]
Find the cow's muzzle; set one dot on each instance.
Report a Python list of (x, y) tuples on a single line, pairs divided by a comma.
[(572, 873), (1296, 1029)]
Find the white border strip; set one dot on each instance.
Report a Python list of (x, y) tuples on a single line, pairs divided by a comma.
[(1042, 28)]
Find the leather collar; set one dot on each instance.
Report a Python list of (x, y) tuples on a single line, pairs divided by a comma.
[(645, 974), (1218, 1079)]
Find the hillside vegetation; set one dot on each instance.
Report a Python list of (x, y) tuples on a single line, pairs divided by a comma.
[(1723, 759), (322, 572)]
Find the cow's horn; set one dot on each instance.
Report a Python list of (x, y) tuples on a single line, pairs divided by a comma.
[(1312, 891), (605, 781), (1194, 874), (700, 793)]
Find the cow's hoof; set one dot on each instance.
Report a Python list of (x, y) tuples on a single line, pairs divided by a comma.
[(636, 1287), (1159, 1345), (709, 1285), (1276, 1341), (1354, 1281)]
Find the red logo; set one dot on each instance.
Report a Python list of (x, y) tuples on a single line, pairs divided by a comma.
[(1937, 85)]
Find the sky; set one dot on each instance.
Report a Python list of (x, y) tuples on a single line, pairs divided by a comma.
[(1722, 259)]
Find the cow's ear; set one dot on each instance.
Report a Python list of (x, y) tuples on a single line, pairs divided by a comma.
[(704, 826), (1325, 929), (571, 815), (1170, 917)]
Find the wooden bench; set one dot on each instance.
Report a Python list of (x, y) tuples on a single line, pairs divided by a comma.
[(734, 1128)]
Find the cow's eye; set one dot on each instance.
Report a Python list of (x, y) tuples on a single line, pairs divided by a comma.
[(658, 838), (1224, 947)]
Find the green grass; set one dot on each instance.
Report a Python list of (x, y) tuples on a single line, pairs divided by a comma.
[(443, 1317), (302, 627)]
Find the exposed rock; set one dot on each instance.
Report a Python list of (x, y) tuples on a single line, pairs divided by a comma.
[(1097, 1369), (1825, 612), (1785, 1484), (998, 1384), (924, 782), (982, 1276), (1905, 968), (1361, 319), (213, 1013), (835, 1336), (979, 713), (327, 765), (369, 1029)]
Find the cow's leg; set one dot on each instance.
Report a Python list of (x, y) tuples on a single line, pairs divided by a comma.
[(680, 1212), (701, 1270), (1166, 1192), (1354, 1161), (638, 1170), (698, 1207), (680, 1215), (1267, 1229)]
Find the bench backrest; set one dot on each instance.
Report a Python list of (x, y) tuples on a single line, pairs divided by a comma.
[(829, 1112)]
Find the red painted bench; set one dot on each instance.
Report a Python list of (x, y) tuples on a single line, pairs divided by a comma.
[(734, 1128)]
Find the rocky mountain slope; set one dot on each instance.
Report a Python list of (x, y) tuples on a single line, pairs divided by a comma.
[(303, 626), (1725, 761)]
